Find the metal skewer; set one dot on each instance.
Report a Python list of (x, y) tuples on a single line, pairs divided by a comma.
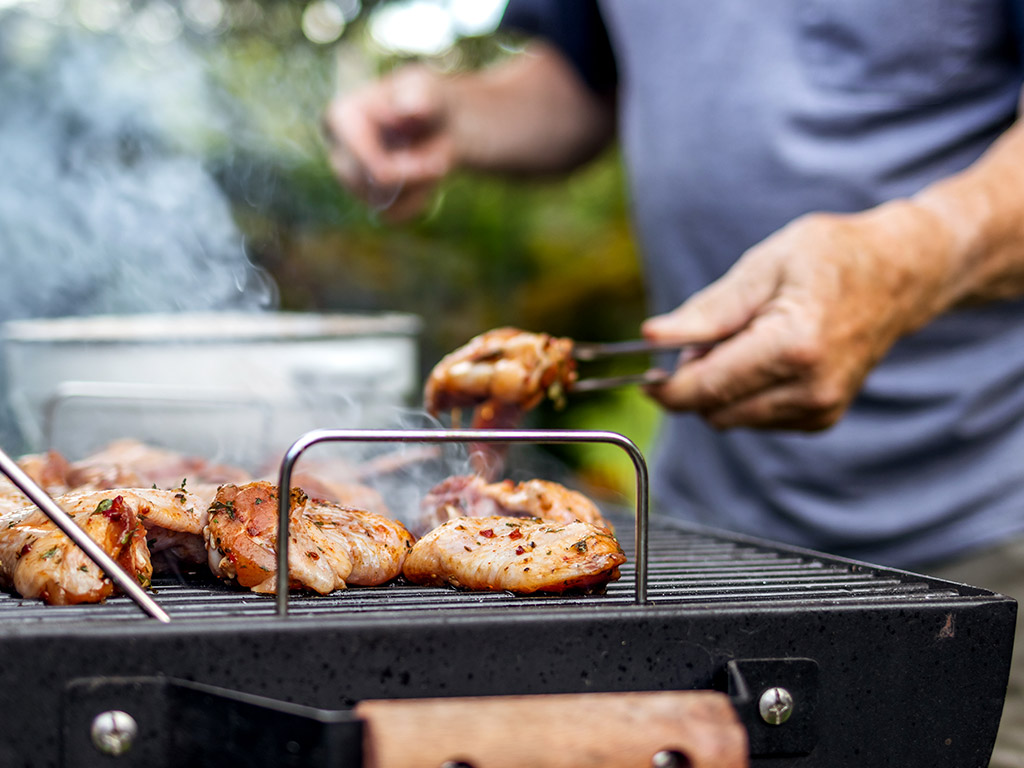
[(94, 551), (536, 436)]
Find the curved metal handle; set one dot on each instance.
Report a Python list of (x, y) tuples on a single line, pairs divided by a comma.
[(536, 436), (94, 551)]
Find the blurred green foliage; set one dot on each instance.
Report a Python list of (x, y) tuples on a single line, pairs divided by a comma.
[(554, 256)]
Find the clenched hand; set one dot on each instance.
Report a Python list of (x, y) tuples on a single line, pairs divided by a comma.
[(803, 317), (390, 142)]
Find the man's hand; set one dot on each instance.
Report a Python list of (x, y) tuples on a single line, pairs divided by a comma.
[(803, 317), (394, 140), (390, 142)]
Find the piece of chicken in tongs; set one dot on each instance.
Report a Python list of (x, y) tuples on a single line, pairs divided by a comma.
[(473, 496), (518, 555), (329, 545), (501, 374)]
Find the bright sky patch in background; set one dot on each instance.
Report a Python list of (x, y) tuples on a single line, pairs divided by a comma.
[(423, 27), (430, 27)]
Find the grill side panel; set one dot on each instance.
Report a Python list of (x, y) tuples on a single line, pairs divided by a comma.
[(893, 680)]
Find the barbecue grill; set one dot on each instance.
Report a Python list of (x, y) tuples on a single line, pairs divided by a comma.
[(826, 661)]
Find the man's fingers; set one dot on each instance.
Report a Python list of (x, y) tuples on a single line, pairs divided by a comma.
[(408, 203), (788, 406), (739, 367), (358, 140), (721, 309), (414, 99)]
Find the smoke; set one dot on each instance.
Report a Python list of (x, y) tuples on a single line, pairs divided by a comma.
[(105, 203)]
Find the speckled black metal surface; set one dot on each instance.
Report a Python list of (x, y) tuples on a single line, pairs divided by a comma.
[(909, 671)]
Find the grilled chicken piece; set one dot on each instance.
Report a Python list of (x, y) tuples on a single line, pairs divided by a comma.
[(38, 560), (133, 464), (377, 545), (174, 522), (501, 374), (348, 494), (329, 545), (49, 471), (509, 553), (472, 496)]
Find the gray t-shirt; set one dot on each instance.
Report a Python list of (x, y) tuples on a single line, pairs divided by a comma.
[(737, 117)]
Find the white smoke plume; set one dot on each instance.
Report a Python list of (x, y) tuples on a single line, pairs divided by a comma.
[(104, 205)]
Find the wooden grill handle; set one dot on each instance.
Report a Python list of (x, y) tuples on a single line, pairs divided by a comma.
[(595, 730)]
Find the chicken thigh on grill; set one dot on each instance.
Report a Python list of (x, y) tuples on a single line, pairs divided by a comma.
[(329, 546), (515, 554), (39, 561), (472, 496)]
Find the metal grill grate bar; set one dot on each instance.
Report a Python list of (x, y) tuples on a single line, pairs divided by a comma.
[(685, 569)]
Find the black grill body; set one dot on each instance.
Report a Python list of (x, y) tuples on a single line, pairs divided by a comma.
[(887, 668)]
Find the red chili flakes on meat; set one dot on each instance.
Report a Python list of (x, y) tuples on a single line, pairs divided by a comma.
[(520, 550), (116, 510), (516, 534), (312, 555), (487, 533)]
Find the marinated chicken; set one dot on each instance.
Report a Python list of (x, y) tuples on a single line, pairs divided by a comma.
[(501, 374), (133, 464), (515, 554), (349, 494), (472, 496), (48, 470), (174, 521), (329, 546), (39, 561)]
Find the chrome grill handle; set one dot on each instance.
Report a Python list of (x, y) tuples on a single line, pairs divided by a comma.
[(534, 436)]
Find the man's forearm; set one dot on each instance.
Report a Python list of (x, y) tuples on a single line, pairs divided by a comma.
[(980, 215), (529, 115)]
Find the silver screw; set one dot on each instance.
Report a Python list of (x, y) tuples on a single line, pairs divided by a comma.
[(668, 758), (775, 706), (113, 732)]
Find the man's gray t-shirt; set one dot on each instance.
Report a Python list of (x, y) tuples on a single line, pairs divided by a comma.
[(737, 117)]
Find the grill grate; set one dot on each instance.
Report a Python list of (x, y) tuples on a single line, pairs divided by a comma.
[(687, 567)]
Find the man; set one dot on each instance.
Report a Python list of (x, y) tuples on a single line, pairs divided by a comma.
[(833, 193)]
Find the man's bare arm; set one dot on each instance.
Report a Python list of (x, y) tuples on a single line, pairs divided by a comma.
[(980, 213), (531, 114), (808, 312)]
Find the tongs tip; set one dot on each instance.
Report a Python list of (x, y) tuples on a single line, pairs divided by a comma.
[(587, 352), (650, 376)]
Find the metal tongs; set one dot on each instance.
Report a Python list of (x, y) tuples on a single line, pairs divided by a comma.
[(586, 352)]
